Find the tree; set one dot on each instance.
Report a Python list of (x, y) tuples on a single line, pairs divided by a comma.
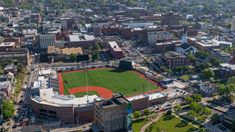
[(96, 47), (177, 108), (201, 66), (215, 118), (214, 61), (197, 97), (146, 112), (206, 111), (196, 107), (191, 113), (231, 80), (95, 56), (73, 57), (1, 70), (25, 5), (136, 114), (8, 109), (188, 99), (192, 58), (185, 77), (131, 2), (226, 91), (201, 55), (208, 73)]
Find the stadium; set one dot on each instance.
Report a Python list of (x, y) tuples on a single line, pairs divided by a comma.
[(104, 82), (78, 91)]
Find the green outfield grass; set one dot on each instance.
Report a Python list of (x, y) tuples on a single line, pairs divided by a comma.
[(126, 82)]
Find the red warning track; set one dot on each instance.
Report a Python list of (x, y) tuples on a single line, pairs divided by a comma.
[(61, 85), (103, 92)]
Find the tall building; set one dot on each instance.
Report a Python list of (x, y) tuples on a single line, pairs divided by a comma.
[(233, 24), (170, 19), (47, 40), (113, 114)]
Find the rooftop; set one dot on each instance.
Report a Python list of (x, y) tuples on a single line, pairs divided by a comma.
[(80, 37), (114, 46), (6, 44), (64, 51), (50, 98), (173, 55)]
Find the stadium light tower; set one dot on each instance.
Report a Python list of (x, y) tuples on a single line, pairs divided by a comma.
[(87, 83)]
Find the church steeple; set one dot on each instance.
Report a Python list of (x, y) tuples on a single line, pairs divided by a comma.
[(184, 38)]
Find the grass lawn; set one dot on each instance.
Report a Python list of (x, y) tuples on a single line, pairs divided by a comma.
[(126, 82), (81, 94), (138, 124), (170, 125)]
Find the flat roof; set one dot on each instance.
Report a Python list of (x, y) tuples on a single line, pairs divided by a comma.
[(50, 98), (151, 96), (78, 38), (65, 51), (137, 97), (6, 44), (114, 46), (156, 96)]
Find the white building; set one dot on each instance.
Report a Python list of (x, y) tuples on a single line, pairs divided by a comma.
[(158, 36), (47, 40)]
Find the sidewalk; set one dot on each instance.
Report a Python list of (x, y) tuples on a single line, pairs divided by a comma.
[(152, 121)]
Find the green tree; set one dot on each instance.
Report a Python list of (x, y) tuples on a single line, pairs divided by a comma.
[(226, 91), (131, 2), (96, 47), (214, 61), (146, 112), (201, 55), (208, 73), (231, 80), (191, 113), (192, 58), (8, 109), (1, 70), (177, 108), (206, 111), (196, 107), (73, 57), (136, 114), (95, 56), (185, 78), (188, 99), (197, 97), (215, 117), (25, 5)]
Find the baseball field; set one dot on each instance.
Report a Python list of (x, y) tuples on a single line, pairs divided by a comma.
[(104, 82)]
